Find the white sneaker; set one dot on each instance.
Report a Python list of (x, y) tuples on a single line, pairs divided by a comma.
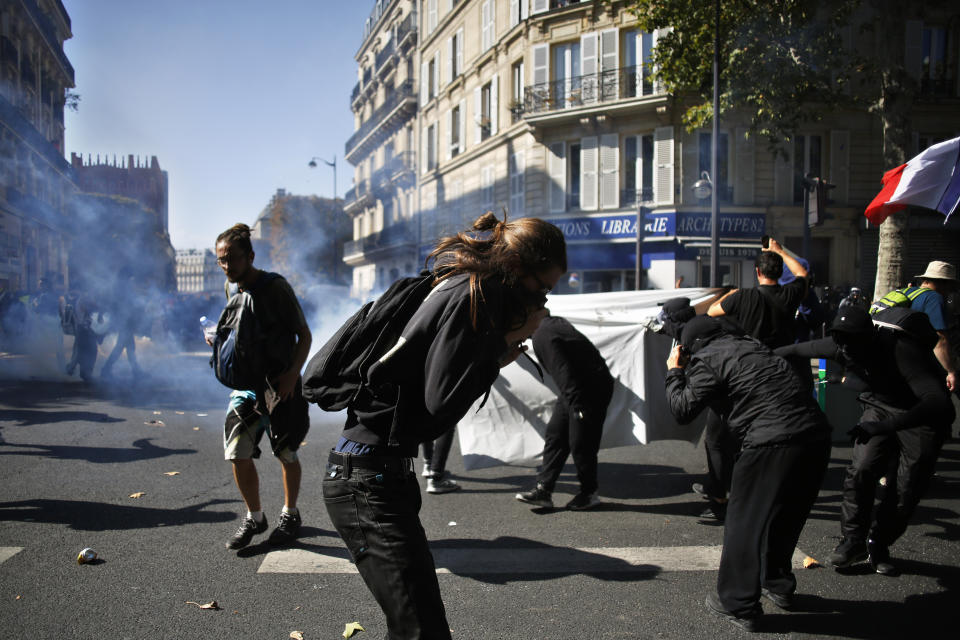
[(438, 485)]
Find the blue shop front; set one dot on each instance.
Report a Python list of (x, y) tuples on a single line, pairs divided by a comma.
[(675, 248)]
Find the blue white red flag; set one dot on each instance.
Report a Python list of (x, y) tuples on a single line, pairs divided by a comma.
[(930, 180)]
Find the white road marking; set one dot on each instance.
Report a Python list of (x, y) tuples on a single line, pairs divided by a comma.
[(485, 560), (8, 552)]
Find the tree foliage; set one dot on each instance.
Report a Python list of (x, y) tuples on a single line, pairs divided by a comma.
[(782, 62)]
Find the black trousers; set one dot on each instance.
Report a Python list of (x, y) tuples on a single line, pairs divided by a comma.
[(377, 515), (577, 431), (907, 459), (772, 493), (722, 448), (436, 452)]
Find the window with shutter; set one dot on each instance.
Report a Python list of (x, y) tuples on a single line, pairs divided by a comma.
[(589, 161), (517, 186), (557, 168), (663, 156), (609, 171)]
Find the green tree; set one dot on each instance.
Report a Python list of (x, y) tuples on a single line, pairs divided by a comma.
[(783, 64)]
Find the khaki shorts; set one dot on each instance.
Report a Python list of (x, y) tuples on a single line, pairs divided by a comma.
[(245, 425)]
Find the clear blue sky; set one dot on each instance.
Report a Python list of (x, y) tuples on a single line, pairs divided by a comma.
[(233, 97)]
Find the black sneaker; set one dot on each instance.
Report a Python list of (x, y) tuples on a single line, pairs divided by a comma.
[(880, 558), (848, 552), (747, 623), (538, 496), (248, 528), (288, 526), (783, 600), (715, 511), (583, 501)]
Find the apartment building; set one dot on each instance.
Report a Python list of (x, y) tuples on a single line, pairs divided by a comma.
[(383, 149), (198, 272), (36, 183), (549, 108)]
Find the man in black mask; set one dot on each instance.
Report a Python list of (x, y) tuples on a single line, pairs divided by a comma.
[(777, 474), (906, 417)]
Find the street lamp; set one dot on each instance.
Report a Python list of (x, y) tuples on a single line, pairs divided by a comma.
[(715, 142), (313, 165)]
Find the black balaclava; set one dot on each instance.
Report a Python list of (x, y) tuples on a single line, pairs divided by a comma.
[(699, 331)]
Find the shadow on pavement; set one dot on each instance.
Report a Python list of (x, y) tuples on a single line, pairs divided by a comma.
[(142, 449), (84, 515), (930, 615), (28, 417)]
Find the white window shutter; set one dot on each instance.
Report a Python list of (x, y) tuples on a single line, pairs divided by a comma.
[(431, 15), (541, 65), (449, 134), (493, 22), (436, 72), (524, 9), (663, 169), (839, 166), (514, 12), (486, 37), (423, 150), (435, 140), (517, 186), (463, 126), (783, 174), (588, 173), (609, 62), (540, 6), (658, 87), (494, 105), (557, 169), (609, 171), (913, 52), (450, 68), (459, 52), (477, 116), (424, 80), (743, 186), (588, 67)]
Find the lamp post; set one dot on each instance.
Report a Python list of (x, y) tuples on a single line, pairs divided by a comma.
[(715, 142), (313, 163)]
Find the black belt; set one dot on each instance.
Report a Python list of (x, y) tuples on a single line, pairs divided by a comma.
[(389, 464)]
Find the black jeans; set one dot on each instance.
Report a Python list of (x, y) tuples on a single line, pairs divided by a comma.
[(772, 493), (436, 452), (722, 448), (907, 459), (576, 431), (377, 515)]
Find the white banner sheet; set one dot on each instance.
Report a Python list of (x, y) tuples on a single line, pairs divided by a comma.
[(509, 428)]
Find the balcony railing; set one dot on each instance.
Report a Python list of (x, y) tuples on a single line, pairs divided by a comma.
[(385, 54), (942, 87), (405, 28), (399, 164), (395, 235), (633, 197), (400, 94), (577, 91), (48, 32), (355, 92)]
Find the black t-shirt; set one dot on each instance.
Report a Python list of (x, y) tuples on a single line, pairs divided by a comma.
[(767, 311)]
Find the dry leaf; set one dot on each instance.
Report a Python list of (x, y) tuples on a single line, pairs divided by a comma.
[(18, 597), (196, 428), (810, 563), (155, 423), (351, 628), (296, 635), (138, 494), (201, 415), (158, 413), (179, 413), (171, 473), (210, 605)]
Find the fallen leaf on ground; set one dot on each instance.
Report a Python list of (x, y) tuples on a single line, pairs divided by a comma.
[(351, 628), (810, 563), (451, 524), (210, 605), (138, 494), (158, 413), (179, 413), (156, 423), (196, 428), (201, 415), (18, 597), (296, 635), (171, 473)]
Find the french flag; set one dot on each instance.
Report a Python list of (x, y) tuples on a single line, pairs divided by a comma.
[(930, 180)]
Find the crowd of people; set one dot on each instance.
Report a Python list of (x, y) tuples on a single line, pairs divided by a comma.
[(746, 361)]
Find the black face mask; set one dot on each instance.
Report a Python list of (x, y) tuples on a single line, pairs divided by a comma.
[(855, 347), (519, 302)]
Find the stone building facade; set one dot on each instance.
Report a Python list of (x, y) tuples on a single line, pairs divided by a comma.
[(548, 108), (198, 272), (36, 183), (134, 178)]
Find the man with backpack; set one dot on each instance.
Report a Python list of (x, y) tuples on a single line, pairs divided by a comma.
[(906, 417), (936, 283), (765, 312), (271, 398)]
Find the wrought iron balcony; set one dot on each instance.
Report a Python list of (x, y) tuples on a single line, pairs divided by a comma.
[(402, 94), (406, 27), (578, 91), (384, 55), (395, 235), (633, 197), (355, 92)]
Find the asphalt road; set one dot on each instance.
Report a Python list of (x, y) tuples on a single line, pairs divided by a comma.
[(71, 456)]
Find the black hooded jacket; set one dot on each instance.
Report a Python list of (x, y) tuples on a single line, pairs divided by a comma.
[(440, 366), (756, 394), (572, 361)]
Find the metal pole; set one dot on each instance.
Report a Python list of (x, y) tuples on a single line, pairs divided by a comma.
[(715, 143), (636, 271)]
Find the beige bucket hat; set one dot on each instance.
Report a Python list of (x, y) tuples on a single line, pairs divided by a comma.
[(939, 270)]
